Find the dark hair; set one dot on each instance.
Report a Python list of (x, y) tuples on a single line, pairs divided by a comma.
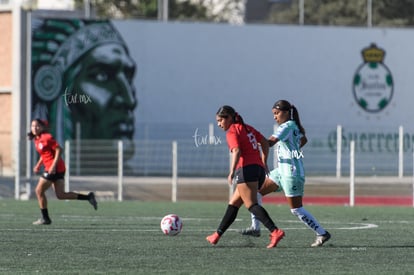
[(226, 111), (43, 123), (285, 106)]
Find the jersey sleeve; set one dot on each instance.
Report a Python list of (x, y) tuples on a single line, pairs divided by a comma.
[(51, 142), (231, 137), (281, 132)]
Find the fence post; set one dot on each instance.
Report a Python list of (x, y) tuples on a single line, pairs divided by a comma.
[(28, 169), (17, 173), (352, 174), (120, 169), (174, 171), (413, 175), (338, 150), (401, 152), (78, 147), (67, 162), (211, 138)]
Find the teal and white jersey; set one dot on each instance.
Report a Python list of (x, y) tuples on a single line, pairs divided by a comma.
[(288, 150)]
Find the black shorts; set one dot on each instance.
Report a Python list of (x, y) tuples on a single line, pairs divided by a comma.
[(250, 173), (53, 177)]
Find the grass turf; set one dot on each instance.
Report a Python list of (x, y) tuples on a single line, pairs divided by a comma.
[(125, 238)]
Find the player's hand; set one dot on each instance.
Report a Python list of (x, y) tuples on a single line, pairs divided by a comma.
[(52, 170), (230, 179)]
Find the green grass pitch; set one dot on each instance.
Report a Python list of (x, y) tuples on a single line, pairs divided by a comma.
[(125, 238)]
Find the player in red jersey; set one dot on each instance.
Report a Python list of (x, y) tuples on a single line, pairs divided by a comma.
[(249, 151), (54, 170)]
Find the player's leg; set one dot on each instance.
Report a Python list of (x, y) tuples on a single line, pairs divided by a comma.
[(268, 187), (254, 228), (294, 198), (40, 191), (228, 218), (59, 187), (248, 193)]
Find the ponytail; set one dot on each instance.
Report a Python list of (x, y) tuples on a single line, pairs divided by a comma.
[(294, 115)]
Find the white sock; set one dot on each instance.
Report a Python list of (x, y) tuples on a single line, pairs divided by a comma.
[(307, 218), (256, 222)]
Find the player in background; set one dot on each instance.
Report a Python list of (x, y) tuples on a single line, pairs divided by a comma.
[(247, 170), (289, 175), (54, 170)]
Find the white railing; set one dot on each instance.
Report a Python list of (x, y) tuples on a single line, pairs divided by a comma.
[(208, 158)]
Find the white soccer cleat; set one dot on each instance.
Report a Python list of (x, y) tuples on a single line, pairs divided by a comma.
[(321, 239)]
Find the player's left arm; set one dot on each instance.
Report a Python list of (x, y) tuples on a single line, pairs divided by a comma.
[(264, 144), (303, 141)]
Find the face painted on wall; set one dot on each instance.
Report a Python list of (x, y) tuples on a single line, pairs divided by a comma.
[(105, 78), (83, 76)]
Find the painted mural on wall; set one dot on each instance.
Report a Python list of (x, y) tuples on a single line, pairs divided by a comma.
[(188, 70), (82, 80)]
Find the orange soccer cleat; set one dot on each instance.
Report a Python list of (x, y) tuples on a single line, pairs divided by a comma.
[(213, 238), (275, 237)]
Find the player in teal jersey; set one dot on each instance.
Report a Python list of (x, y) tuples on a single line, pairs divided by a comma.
[(289, 175)]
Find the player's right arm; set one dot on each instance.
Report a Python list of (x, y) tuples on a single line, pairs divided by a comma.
[(272, 140), (36, 168), (235, 156)]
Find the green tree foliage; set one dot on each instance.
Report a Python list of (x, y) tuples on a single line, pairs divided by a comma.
[(344, 13), (188, 11), (145, 9), (385, 13), (394, 13)]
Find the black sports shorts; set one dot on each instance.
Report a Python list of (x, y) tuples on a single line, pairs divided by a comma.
[(250, 173), (53, 177)]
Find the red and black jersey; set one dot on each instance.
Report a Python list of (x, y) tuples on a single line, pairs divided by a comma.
[(46, 147), (246, 138)]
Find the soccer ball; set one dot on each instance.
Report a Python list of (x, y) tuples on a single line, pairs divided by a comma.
[(171, 225)]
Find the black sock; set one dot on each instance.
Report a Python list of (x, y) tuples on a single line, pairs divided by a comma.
[(262, 215), (45, 214), (228, 219), (83, 197)]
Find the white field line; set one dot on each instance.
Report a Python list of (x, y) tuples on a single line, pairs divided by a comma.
[(333, 225)]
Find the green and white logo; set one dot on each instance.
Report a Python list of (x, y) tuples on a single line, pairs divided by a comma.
[(373, 84)]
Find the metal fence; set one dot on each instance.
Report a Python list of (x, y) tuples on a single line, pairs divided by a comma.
[(209, 158), (205, 157)]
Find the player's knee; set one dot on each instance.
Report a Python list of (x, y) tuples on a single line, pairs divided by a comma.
[(60, 196), (39, 191)]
